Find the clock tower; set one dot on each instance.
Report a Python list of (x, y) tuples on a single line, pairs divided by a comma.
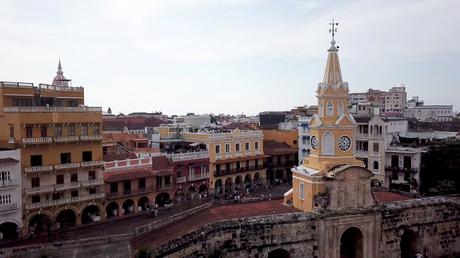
[(332, 134)]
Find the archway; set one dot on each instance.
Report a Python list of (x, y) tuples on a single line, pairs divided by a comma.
[(279, 253), (162, 199), (128, 207), (90, 214), (143, 203), (218, 186), (257, 179), (279, 176), (228, 185), (351, 243), (409, 244), (238, 182), (39, 223), (192, 191), (66, 218), (247, 181), (179, 195), (203, 190), (111, 209), (9, 231)]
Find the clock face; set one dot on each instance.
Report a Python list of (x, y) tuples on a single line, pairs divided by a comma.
[(314, 142), (344, 143)]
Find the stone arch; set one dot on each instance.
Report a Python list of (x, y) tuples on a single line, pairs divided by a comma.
[(218, 186), (128, 207), (143, 203), (327, 144), (9, 230), (279, 253), (330, 108), (163, 199), (66, 218), (203, 188), (409, 244), (257, 179), (247, 181), (91, 213), (112, 209), (40, 222), (228, 184), (179, 195), (351, 243), (239, 182)]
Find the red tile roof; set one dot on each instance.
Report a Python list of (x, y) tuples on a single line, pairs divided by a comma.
[(161, 163), (385, 196)]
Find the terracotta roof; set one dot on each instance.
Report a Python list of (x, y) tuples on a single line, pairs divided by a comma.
[(127, 175), (385, 196), (272, 147), (161, 163), (137, 122)]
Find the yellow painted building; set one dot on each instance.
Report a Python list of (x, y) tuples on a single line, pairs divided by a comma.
[(61, 152), (332, 136), (236, 159)]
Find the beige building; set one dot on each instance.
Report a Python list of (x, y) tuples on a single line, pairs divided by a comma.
[(61, 152)]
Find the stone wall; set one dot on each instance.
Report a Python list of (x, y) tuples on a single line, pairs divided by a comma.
[(435, 221)]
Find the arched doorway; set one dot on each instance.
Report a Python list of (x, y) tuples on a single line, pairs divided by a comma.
[(111, 209), (39, 223), (192, 191), (66, 218), (179, 195), (351, 243), (238, 183), (279, 253), (9, 231), (162, 199), (128, 207), (143, 203), (257, 179), (203, 190), (228, 185), (247, 181), (218, 186), (409, 244), (279, 176), (90, 214)]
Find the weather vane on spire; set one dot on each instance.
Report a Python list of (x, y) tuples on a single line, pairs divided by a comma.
[(333, 29)]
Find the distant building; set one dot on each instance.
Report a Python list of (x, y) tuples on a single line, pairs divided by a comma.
[(391, 103), (395, 101), (428, 113), (271, 120), (304, 138)]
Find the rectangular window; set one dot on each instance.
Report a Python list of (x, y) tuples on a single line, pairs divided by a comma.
[(74, 193), (217, 149), (407, 162), (91, 175), (394, 161), (29, 131), (301, 191), (58, 131), (96, 130), (5, 199), (375, 147), (59, 179), (238, 166), (142, 183), (43, 131), (74, 177), (56, 196), (35, 182), (5, 176), (36, 160), (87, 156), (256, 145), (246, 146), (237, 147), (92, 190), (167, 180), (218, 168), (227, 148), (65, 158), (11, 132), (71, 130), (84, 130), (114, 187), (35, 198)]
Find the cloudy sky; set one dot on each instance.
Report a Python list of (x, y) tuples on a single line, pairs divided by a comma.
[(230, 56)]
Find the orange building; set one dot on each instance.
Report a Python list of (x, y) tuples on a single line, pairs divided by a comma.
[(61, 152)]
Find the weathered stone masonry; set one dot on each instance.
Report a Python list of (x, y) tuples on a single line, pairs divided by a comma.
[(435, 221)]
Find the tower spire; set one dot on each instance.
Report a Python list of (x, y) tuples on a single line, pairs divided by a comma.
[(333, 73), (333, 30)]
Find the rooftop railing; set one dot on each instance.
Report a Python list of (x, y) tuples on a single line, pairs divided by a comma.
[(64, 201), (40, 109), (17, 84), (189, 155), (127, 163), (49, 87)]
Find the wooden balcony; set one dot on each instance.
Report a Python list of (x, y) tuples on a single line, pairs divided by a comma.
[(44, 204)]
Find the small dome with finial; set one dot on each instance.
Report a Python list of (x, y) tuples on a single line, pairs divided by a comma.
[(59, 79)]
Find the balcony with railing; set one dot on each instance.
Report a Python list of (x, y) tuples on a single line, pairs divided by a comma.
[(96, 137), (232, 171), (93, 182), (8, 207), (9, 183), (40, 189), (16, 84), (130, 192), (189, 155), (49, 203), (48, 87), (93, 163), (127, 164), (66, 166), (62, 139), (164, 187), (181, 179), (401, 170), (200, 177), (36, 169), (37, 140), (41, 109), (67, 186)]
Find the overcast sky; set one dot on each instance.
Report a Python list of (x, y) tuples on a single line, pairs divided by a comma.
[(230, 56)]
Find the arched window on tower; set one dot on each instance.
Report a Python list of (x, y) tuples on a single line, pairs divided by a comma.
[(340, 109), (330, 109), (328, 144), (321, 108)]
